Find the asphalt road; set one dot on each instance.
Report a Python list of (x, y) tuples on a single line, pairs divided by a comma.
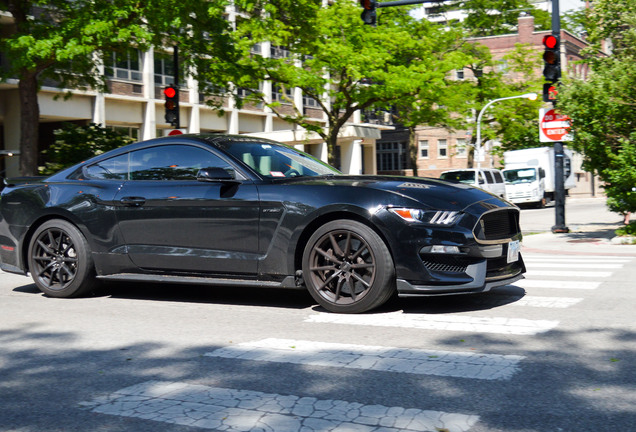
[(554, 352)]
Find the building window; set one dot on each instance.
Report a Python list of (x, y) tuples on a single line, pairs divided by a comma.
[(460, 148), (423, 145), (460, 74), (278, 52), (442, 148), (392, 156), (308, 101), (131, 131), (164, 70), (278, 95), (123, 65), (502, 66)]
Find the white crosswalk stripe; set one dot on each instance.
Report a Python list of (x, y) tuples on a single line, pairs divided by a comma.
[(244, 411), (575, 285), (414, 361), (576, 258), (561, 264), (498, 325), (565, 273), (547, 302)]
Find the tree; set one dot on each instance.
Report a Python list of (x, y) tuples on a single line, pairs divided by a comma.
[(336, 60), (602, 108), (513, 123), (59, 40), (496, 17), (74, 144), (65, 41)]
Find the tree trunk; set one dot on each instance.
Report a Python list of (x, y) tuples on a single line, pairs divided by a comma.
[(29, 124), (413, 150)]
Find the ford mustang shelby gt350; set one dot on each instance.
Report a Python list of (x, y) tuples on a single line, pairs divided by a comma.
[(234, 210)]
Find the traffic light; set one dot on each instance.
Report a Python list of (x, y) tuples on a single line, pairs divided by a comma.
[(550, 92), (171, 94), (551, 58), (369, 15)]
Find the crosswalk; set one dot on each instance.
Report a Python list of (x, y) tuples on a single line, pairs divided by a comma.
[(552, 282)]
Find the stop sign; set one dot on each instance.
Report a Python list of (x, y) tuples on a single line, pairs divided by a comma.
[(175, 132), (553, 126)]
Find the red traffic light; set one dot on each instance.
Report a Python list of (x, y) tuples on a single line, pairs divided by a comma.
[(368, 4), (170, 92), (550, 41)]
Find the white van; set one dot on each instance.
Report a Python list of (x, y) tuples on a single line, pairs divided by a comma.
[(488, 179)]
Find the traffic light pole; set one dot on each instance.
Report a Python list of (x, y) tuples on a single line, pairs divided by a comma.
[(175, 68), (559, 180)]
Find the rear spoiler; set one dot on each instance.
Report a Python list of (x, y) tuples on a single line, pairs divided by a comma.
[(14, 181)]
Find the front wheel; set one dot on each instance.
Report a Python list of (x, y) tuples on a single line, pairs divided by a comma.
[(60, 261), (348, 268)]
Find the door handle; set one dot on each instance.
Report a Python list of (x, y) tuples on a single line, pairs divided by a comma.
[(133, 201)]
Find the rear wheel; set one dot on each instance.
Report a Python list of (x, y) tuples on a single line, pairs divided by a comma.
[(60, 261), (348, 268)]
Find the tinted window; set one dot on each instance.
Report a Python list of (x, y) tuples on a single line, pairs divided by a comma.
[(498, 177), (459, 176), (274, 160), (489, 178), (172, 162), (115, 168)]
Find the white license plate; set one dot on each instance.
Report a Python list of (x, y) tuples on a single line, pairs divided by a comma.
[(513, 251)]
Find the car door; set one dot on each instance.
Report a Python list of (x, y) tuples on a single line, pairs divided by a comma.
[(172, 222)]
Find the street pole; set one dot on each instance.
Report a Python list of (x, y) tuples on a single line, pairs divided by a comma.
[(559, 181), (175, 66), (531, 96)]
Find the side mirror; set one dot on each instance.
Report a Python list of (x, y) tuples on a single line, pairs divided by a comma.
[(216, 174)]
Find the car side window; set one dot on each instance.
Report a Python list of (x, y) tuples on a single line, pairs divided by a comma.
[(498, 177), (115, 168), (489, 178), (172, 162)]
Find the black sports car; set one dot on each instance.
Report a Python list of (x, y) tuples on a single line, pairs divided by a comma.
[(235, 210)]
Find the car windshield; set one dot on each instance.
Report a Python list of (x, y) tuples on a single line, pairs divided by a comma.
[(459, 176), (276, 160), (524, 175)]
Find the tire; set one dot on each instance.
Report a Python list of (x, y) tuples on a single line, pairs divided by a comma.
[(348, 268), (60, 260)]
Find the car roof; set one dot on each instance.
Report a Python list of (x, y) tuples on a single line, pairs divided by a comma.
[(218, 141)]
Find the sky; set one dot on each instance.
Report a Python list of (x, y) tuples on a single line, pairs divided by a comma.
[(565, 5)]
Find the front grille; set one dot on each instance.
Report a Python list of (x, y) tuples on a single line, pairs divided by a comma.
[(498, 225)]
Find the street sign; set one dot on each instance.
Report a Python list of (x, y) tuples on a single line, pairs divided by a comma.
[(553, 127)]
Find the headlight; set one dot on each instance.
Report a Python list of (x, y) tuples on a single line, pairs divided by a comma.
[(431, 217)]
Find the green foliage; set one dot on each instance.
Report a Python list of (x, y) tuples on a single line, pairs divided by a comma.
[(74, 144), (602, 107), (627, 230), (64, 39), (497, 17), (332, 56)]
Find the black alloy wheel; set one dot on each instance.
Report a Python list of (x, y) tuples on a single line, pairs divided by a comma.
[(348, 268), (60, 261)]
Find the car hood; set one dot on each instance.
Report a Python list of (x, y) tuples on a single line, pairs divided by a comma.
[(428, 192)]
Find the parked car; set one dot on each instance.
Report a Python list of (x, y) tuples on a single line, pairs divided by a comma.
[(487, 179), (239, 211)]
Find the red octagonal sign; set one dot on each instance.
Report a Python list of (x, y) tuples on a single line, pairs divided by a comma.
[(553, 126)]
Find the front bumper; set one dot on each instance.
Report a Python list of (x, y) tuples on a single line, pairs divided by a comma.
[(479, 277), (471, 256)]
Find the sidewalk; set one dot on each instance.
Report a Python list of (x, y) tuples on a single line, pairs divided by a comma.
[(582, 240)]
